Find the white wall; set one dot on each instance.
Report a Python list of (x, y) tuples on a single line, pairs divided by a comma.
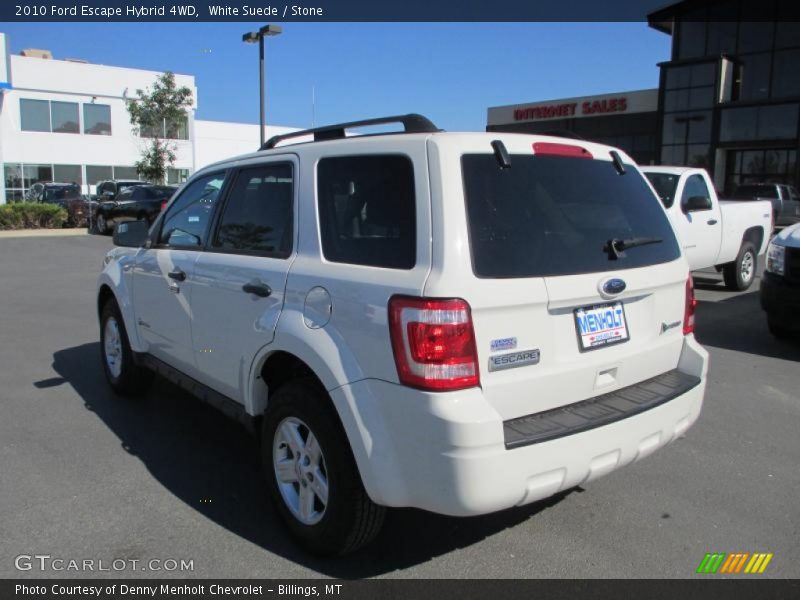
[(41, 79), (219, 140), (60, 80)]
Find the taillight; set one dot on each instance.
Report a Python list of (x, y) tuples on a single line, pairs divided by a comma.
[(433, 343), (691, 306), (163, 205)]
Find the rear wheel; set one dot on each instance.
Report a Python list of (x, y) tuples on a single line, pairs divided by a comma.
[(312, 475), (739, 274), (123, 375), (101, 224)]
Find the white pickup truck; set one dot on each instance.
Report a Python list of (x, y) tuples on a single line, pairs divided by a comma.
[(713, 233)]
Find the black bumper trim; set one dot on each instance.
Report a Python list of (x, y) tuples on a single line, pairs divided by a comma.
[(598, 411)]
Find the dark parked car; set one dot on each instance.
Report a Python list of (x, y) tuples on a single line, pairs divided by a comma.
[(66, 195), (134, 203), (785, 200), (780, 284), (108, 189)]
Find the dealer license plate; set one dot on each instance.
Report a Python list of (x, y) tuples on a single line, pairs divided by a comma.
[(601, 325)]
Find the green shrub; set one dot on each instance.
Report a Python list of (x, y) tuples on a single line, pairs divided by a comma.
[(29, 215)]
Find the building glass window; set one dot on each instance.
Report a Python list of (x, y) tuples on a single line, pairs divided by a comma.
[(171, 130), (759, 123), (68, 174), (777, 122), (751, 77), (177, 176), (755, 36), (34, 115), (95, 173), (64, 117), (97, 119), (692, 35), (722, 28), (125, 173), (12, 174), (35, 173), (787, 33), (760, 166), (785, 74), (738, 124)]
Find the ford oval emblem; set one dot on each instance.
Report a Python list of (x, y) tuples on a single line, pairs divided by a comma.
[(612, 287)]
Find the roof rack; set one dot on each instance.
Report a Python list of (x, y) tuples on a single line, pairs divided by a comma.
[(412, 123)]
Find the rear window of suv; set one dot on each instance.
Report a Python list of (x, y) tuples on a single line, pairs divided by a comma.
[(551, 215)]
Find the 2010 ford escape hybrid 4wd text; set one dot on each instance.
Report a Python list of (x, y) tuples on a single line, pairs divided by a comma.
[(456, 322)]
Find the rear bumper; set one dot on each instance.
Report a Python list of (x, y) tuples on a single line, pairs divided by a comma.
[(447, 453)]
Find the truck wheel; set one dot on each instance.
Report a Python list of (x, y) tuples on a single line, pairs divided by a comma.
[(739, 274), (101, 225), (778, 330), (312, 475), (124, 376)]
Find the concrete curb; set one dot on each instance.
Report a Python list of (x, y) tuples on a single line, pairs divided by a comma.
[(25, 233)]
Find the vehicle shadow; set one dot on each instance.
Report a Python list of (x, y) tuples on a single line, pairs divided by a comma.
[(211, 463), (738, 323)]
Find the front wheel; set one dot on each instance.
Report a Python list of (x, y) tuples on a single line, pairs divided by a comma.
[(123, 375), (740, 274), (312, 475), (778, 329)]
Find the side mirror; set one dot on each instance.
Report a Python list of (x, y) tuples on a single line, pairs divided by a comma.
[(697, 203), (132, 234)]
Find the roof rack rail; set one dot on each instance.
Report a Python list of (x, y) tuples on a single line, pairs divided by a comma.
[(413, 123)]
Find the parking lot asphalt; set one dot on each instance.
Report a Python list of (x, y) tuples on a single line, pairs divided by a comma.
[(86, 475)]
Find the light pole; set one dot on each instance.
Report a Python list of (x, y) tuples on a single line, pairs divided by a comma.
[(251, 38)]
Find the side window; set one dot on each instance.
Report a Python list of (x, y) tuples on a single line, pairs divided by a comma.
[(125, 195), (793, 194), (186, 223), (367, 210), (696, 186), (258, 213)]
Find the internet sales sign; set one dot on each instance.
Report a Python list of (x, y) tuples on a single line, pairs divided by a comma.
[(567, 109), (637, 101)]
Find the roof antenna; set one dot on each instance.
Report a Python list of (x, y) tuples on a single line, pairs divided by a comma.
[(617, 162), (501, 154)]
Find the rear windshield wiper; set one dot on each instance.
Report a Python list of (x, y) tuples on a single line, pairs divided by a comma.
[(615, 248)]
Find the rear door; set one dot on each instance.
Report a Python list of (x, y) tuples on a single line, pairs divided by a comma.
[(549, 330), (239, 282)]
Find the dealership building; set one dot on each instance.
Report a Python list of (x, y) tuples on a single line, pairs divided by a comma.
[(67, 121), (728, 98)]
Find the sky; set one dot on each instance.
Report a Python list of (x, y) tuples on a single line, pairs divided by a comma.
[(449, 72)]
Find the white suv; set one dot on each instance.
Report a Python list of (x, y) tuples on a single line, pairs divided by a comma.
[(459, 322)]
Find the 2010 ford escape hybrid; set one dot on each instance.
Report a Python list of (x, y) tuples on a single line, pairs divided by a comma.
[(456, 322)]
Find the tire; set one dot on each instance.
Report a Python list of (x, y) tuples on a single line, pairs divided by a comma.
[(778, 330), (101, 225), (740, 274), (123, 375), (346, 518)]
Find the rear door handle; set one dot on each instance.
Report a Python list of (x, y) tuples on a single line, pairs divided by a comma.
[(712, 221), (258, 288), (177, 275)]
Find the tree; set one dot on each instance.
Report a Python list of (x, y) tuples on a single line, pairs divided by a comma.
[(157, 114)]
